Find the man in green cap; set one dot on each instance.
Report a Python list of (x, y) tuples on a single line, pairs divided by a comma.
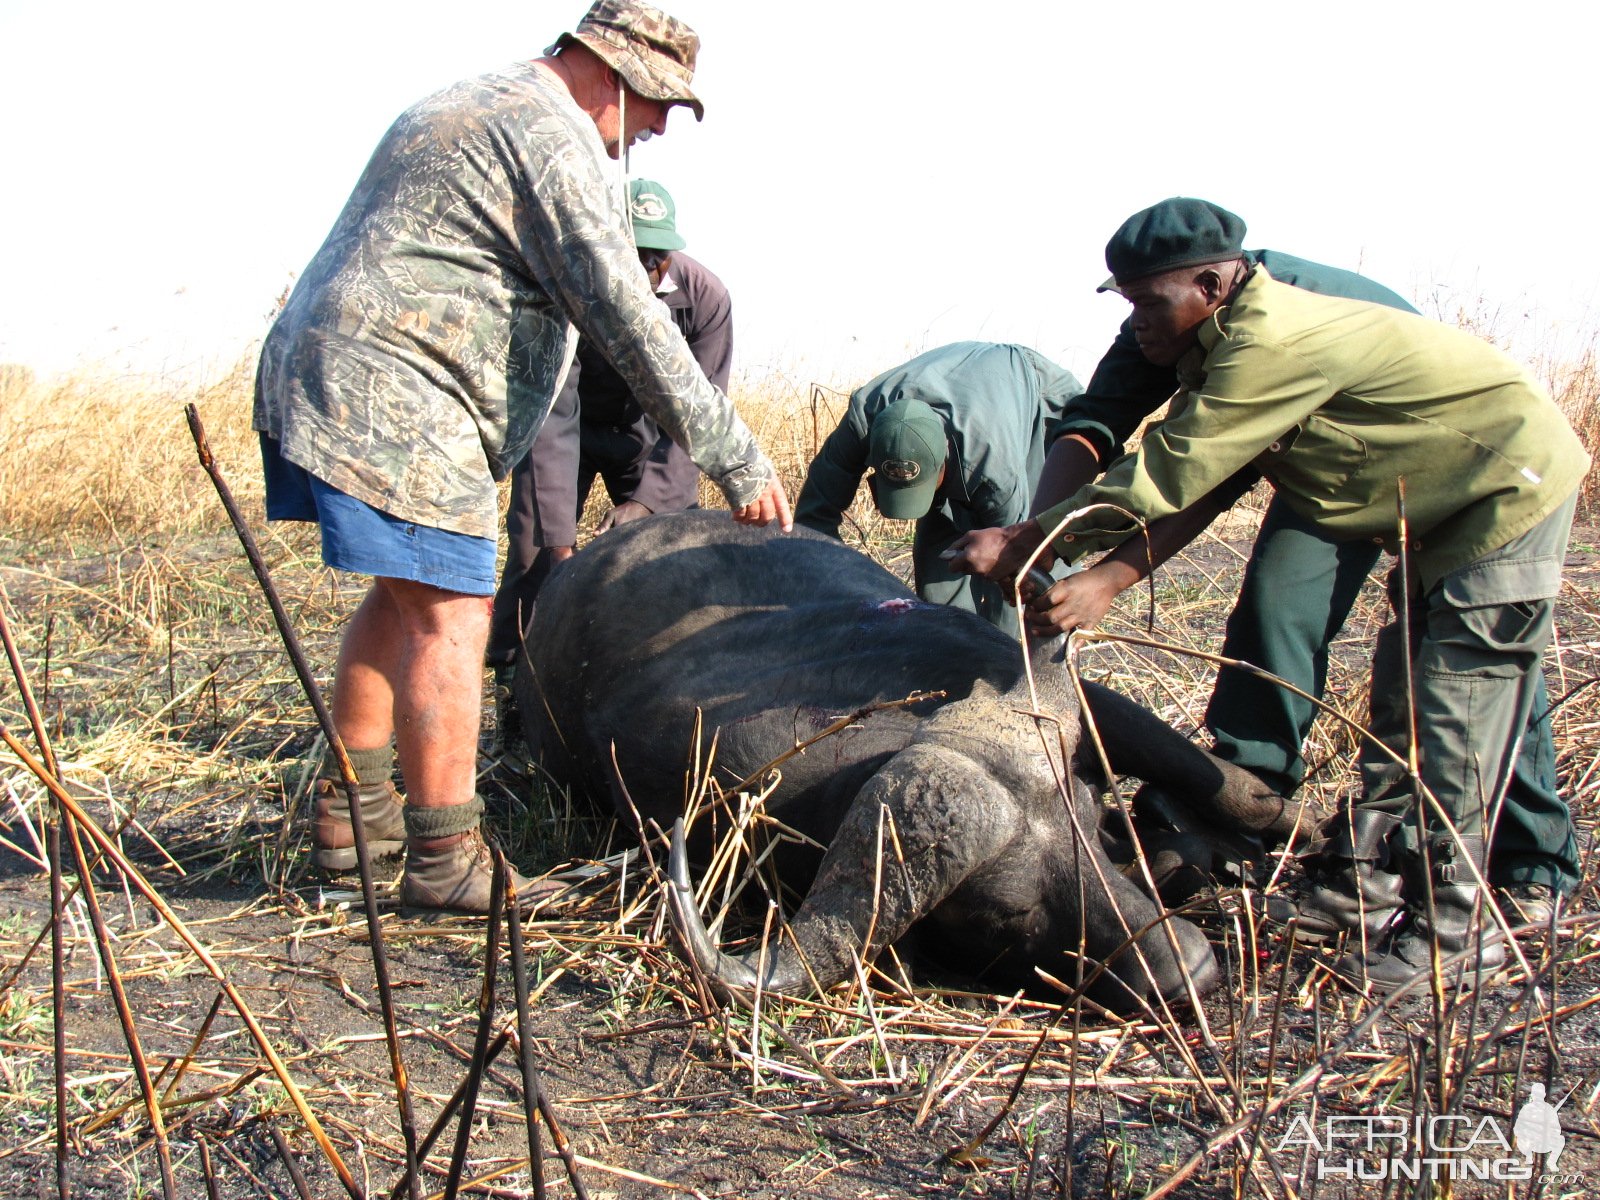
[(954, 440), (1349, 409), (597, 427), (412, 367)]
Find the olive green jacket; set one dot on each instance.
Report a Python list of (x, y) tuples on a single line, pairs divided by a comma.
[(1335, 401)]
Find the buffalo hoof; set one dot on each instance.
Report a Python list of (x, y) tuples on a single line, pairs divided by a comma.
[(1232, 852), (1180, 865)]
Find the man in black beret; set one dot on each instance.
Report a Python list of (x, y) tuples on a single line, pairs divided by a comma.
[(1336, 401), (1299, 585)]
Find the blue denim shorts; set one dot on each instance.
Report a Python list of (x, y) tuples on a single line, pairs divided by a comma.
[(359, 538)]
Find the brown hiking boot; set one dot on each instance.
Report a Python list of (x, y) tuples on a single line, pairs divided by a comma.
[(333, 838), (454, 873)]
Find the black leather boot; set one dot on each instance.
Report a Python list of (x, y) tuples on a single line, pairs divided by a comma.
[(1456, 922), (1356, 880)]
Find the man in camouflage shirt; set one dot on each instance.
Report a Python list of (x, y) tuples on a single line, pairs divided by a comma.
[(412, 367)]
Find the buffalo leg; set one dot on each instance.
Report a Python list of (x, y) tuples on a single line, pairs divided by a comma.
[(1139, 743)]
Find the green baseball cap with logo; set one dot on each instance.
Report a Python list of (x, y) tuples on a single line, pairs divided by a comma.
[(655, 216), (906, 451), (654, 53)]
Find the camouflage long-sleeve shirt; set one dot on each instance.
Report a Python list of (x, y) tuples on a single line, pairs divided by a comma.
[(423, 346)]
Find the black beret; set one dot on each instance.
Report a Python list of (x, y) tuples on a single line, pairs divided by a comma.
[(1179, 232)]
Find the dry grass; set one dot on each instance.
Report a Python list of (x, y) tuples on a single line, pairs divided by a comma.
[(170, 703), (109, 460), (1575, 384)]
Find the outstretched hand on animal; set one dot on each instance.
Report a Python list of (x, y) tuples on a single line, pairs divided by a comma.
[(772, 504), (1077, 602), (628, 510), (998, 554)]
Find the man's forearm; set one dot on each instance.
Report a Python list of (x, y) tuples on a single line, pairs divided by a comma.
[(1073, 463), (1082, 600), (1135, 558)]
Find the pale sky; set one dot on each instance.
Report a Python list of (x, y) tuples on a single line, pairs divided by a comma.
[(871, 179)]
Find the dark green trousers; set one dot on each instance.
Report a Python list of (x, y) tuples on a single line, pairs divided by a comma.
[(1298, 589)]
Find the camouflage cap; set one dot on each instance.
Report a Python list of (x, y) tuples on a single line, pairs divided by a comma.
[(1178, 232), (906, 451), (654, 216), (654, 53)]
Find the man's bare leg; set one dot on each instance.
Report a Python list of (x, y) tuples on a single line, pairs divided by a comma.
[(364, 677), (363, 715), (412, 663)]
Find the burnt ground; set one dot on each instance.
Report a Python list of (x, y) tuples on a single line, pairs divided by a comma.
[(167, 696)]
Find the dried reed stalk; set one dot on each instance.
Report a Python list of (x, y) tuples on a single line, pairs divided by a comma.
[(135, 877), (380, 961)]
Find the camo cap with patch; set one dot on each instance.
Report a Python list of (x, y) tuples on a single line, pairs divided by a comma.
[(906, 452), (654, 53)]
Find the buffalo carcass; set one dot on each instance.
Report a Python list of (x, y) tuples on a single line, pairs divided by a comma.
[(773, 637)]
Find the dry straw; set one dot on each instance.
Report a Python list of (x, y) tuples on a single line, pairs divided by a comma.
[(178, 729)]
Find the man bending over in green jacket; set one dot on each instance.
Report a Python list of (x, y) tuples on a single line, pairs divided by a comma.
[(1340, 403)]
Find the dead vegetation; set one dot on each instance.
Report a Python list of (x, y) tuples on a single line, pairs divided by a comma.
[(178, 727)]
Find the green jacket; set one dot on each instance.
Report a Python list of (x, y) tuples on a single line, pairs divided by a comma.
[(999, 404), (1126, 387), (1334, 401)]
